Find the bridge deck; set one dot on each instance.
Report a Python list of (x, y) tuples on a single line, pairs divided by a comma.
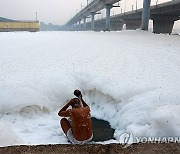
[(169, 8)]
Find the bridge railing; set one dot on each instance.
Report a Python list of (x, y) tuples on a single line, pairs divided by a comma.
[(125, 7)]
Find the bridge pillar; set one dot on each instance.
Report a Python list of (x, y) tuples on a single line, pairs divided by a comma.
[(84, 23), (72, 26), (133, 24), (92, 20), (79, 25), (145, 14), (108, 8), (69, 28), (75, 26), (88, 25), (163, 24)]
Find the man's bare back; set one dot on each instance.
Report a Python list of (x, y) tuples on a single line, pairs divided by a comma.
[(81, 127), (81, 123)]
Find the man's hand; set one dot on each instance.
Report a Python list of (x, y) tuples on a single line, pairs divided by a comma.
[(77, 93)]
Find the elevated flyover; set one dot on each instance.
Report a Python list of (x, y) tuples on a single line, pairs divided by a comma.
[(91, 9), (163, 15), (94, 6)]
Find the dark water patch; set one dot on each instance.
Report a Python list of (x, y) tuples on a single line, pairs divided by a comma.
[(102, 130)]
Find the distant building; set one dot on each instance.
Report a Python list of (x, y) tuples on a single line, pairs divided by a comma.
[(9, 25)]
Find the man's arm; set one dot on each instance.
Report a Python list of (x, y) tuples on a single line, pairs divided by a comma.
[(63, 112), (83, 102)]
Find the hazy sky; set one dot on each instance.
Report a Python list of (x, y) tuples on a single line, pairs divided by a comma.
[(54, 11)]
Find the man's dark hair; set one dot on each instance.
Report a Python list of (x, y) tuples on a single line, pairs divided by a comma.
[(76, 102)]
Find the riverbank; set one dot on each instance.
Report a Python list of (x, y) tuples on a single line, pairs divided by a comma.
[(142, 148)]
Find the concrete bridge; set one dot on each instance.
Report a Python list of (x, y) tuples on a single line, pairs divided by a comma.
[(91, 10), (163, 15)]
